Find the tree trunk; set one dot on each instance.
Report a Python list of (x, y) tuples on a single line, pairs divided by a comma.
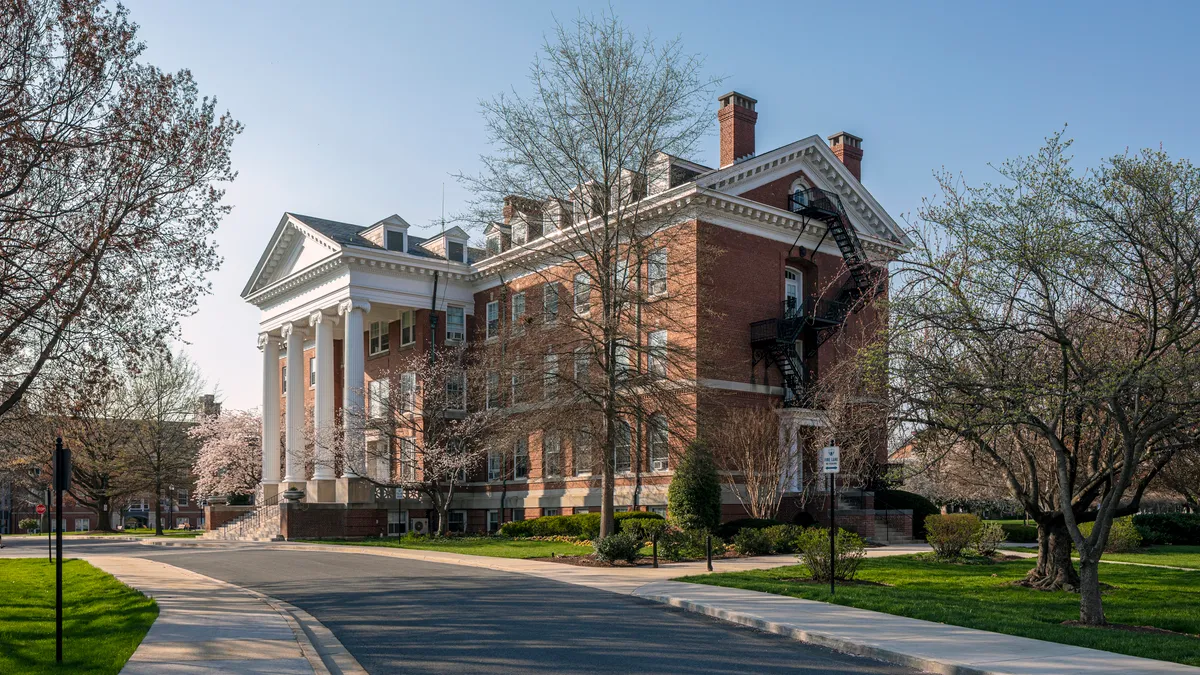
[(1091, 608), (158, 530), (102, 514), (607, 493), (1054, 570), (443, 512)]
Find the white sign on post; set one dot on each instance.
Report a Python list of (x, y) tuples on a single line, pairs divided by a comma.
[(831, 459)]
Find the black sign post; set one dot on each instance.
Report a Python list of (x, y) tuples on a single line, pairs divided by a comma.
[(49, 529), (62, 482)]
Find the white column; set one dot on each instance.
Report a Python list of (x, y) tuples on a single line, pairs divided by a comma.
[(323, 429), (354, 365), (294, 413), (269, 345)]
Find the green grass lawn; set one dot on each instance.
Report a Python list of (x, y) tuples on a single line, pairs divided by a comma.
[(1174, 556), (103, 620), (980, 596), (494, 547)]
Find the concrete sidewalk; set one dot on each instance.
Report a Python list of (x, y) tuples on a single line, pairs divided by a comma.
[(206, 626), (924, 645)]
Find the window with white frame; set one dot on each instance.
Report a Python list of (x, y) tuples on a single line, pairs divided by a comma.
[(518, 515), (181, 498), (379, 337), (552, 465), (622, 455), (495, 465), (656, 272), (492, 395), (520, 231), (518, 311), (493, 521), (549, 376), (408, 327), (183, 523), (312, 373), (138, 504), (581, 454), (408, 459), (583, 293), (456, 390), (658, 441), (551, 512), (621, 283), (493, 243), (517, 381), (456, 324), (624, 358), (583, 364), (550, 303), (580, 509), (377, 395), (457, 251), (659, 509), (493, 319), (458, 521), (83, 524), (521, 458), (408, 392), (381, 460), (397, 523), (394, 240), (656, 354)]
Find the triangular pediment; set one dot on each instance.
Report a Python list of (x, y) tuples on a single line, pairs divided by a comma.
[(293, 248), (822, 169)]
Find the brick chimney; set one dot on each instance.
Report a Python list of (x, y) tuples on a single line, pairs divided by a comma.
[(848, 148), (737, 119)]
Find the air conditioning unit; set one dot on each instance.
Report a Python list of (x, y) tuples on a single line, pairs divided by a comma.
[(659, 465), (419, 526)]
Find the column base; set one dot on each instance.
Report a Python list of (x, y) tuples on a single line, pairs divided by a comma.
[(355, 491), (271, 489), (321, 491)]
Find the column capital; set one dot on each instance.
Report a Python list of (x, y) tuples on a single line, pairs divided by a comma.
[(289, 328), (350, 304), (321, 317), (266, 338)]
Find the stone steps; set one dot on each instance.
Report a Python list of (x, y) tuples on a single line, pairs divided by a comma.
[(259, 525)]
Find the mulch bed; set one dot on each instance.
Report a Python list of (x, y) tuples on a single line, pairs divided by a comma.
[(852, 582), (591, 561), (1131, 629)]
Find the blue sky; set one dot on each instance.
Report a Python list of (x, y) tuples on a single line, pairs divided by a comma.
[(356, 112)]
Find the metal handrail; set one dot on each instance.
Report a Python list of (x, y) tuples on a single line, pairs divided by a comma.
[(814, 199), (256, 517)]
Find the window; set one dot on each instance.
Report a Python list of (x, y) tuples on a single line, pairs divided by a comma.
[(517, 383), (518, 310), (283, 380), (397, 523), (408, 459), (660, 510), (656, 357), (181, 498), (380, 459), (408, 392), (550, 303), (520, 232), (521, 458), (85, 524), (493, 521), (493, 319), (408, 327), (458, 521), (656, 272), (551, 456), (457, 252), (395, 240), (518, 515), (312, 372), (492, 395), (583, 364), (622, 460), (183, 523), (456, 324), (456, 390), (549, 376), (495, 465), (551, 512), (624, 358), (138, 504), (493, 244), (580, 509), (379, 337), (377, 398), (658, 441), (621, 283), (581, 454), (583, 292), (792, 287)]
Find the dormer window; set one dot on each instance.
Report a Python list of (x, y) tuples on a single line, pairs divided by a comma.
[(520, 232), (456, 251), (493, 243), (395, 240)]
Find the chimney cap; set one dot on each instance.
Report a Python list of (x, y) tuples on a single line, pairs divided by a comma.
[(847, 138), (738, 99)]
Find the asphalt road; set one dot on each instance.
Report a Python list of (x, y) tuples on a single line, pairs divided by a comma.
[(407, 616)]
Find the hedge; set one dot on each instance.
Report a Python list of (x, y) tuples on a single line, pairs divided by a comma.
[(1169, 528), (1020, 534), (583, 525), (729, 530), (921, 507)]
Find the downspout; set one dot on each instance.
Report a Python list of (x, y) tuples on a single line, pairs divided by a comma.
[(433, 320)]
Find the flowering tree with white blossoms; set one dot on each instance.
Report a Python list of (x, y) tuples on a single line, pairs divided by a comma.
[(230, 460)]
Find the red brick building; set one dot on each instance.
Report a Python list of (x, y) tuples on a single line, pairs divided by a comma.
[(798, 242)]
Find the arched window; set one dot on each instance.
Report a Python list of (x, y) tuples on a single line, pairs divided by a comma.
[(798, 196)]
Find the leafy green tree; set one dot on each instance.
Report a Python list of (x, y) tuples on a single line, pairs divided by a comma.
[(694, 497)]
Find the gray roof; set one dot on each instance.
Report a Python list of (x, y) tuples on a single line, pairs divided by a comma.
[(348, 235)]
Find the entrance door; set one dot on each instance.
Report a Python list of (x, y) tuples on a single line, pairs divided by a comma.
[(792, 292)]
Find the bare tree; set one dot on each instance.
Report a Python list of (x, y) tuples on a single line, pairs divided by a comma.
[(574, 159), (108, 201), (1182, 476), (758, 457), (1052, 323)]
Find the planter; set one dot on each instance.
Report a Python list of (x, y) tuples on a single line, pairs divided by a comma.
[(293, 495)]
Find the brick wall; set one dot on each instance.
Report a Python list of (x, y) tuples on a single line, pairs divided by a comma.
[(311, 521)]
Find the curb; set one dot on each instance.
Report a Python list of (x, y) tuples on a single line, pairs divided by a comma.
[(319, 645)]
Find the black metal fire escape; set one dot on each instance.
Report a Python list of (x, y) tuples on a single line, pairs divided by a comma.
[(813, 321)]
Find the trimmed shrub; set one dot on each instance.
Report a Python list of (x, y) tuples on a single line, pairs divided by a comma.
[(1182, 529), (951, 534), (1123, 536), (1023, 534), (677, 544), (752, 541), (727, 530), (28, 524), (988, 538), (582, 525), (694, 497), (849, 550), (921, 507), (620, 546), (783, 537), (643, 528)]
